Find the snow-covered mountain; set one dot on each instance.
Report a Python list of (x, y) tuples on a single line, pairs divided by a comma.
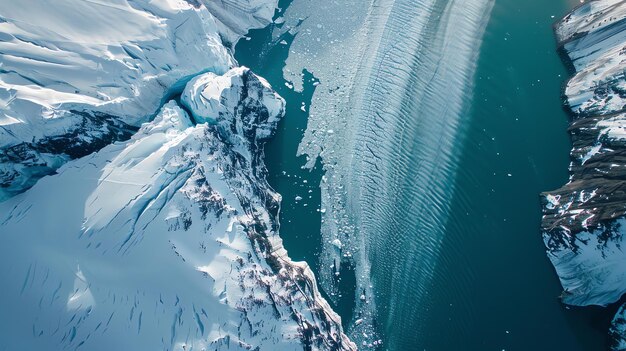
[(78, 75), (584, 221), (165, 237)]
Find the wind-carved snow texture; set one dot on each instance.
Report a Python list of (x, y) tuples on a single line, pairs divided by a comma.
[(583, 222), (394, 81), (167, 241), (78, 75)]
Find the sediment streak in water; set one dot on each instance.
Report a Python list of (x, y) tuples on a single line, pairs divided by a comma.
[(386, 120)]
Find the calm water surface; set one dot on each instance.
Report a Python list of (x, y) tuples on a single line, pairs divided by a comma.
[(494, 288)]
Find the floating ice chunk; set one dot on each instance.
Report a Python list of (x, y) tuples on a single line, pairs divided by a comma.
[(337, 243)]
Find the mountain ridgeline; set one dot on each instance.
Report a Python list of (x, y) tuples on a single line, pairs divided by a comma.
[(583, 222)]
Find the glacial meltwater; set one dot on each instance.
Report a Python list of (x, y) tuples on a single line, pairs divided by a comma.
[(460, 262)]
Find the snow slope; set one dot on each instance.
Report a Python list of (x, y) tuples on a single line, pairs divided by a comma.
[(167, 241), (77, 75), (150, 225)]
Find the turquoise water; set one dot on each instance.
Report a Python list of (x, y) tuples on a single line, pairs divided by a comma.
[(299, 219), (494, 288)]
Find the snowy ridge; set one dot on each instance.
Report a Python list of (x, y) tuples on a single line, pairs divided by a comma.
[(205, 93), (238, 16), (583, 222), (386, 103), (167, 241), (81, 74), (589, 17), (593, 38)]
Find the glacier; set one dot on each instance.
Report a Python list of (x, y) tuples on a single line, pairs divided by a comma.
[(134, 209), (583, 222), (78, 75), (393, 80), (165, 241)]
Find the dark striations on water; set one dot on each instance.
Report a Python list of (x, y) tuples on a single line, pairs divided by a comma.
[(583, 222)]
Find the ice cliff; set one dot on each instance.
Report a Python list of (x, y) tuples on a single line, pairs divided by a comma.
[(155, 228), (583, 222)]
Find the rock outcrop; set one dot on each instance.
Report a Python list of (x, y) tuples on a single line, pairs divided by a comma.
[(584, 221)]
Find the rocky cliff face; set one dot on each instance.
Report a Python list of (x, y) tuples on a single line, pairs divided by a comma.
[(166, 241), (157, 230), (583, 222)]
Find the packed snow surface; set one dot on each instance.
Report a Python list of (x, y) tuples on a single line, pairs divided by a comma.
[(77, 75)]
